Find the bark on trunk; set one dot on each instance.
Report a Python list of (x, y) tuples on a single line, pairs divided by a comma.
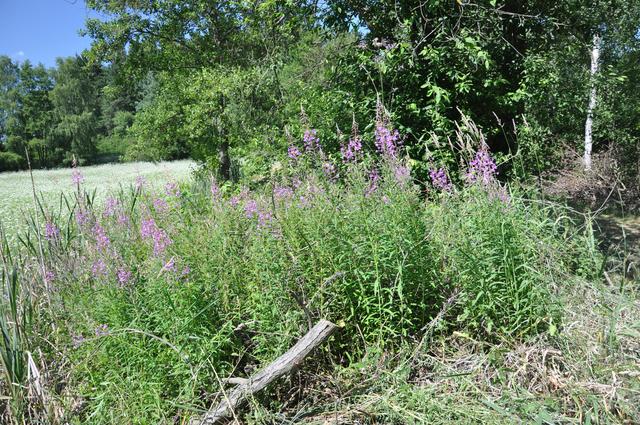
[(588, 126), (224, 161)]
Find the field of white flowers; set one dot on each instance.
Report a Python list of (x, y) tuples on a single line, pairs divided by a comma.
[(16, 195)]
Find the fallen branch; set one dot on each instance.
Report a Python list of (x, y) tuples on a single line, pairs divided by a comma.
[(281, 366)]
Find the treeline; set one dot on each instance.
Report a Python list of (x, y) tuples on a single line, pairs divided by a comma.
[(216, 80), (58, 114)]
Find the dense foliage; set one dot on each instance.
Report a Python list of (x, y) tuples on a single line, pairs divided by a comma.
[(223, 80), (54, 115)]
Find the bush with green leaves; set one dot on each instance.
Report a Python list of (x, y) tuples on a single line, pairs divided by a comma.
[(10, 161)]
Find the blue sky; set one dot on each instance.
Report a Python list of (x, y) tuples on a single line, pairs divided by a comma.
[(42, 30)]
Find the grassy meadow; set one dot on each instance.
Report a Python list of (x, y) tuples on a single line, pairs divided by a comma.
[(16, 189)]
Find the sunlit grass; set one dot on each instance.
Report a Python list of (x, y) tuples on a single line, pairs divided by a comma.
[(17, 197)]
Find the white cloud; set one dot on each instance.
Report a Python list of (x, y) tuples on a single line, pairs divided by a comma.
[(20, 53)]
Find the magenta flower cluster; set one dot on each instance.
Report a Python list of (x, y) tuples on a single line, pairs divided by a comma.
[(123, 220), (482, 169), (82, 217), (311, 141), (172, 189), (251, 209), (76, 176), (440, 180), (170, 266), (352, 151), (264, 219), (387, 140), (160, 206), (99, 268), (51, 232), (293, 152), (282, 193), (102, 240), (149, 230), (110, 207)]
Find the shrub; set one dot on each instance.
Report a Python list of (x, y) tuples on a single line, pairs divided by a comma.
[(10, 161), (498, 254)]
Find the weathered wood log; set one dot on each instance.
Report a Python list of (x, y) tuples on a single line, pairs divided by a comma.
[(281, 366)]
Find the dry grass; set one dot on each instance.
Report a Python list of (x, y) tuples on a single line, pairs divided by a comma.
[(588, 372)]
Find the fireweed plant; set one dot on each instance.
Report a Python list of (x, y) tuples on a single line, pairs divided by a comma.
[(156, 294)]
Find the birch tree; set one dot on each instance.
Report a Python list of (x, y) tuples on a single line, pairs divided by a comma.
[(588, 126)]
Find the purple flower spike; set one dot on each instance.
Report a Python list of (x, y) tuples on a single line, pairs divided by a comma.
[(251, 209), (234, 201), (51, 232), (110, 207), (76, 176), (374, 178), (102, 330), (387, 140), (281, 193), (440, 180), (141, 182), (147, 228), (353, 150), (311, 141), (150, 230), (82, 217), (482, 169), (172, 189), (102, 240), (124, 276), (264, 219), (294, 153), (99, 268), (160, 205), (124, 220), (170, 266)]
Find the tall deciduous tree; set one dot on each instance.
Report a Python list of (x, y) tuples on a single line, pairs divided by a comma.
[(177, 39), (9, 78), (76, 103)]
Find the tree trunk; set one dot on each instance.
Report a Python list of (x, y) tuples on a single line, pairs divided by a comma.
[(224, 161), (588, 132)]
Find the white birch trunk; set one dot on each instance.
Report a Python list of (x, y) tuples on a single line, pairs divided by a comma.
[(588, 126)]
